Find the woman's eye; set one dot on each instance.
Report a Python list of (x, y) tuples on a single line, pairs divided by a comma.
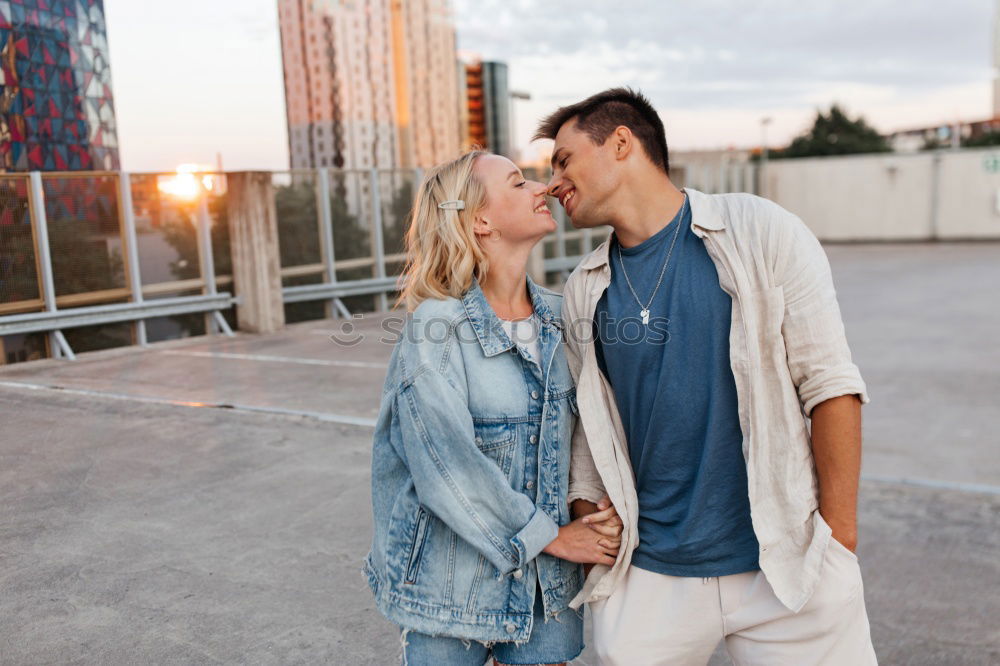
[(521, 184)]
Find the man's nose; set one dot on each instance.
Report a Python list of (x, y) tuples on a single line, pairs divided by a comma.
[(552, 188)]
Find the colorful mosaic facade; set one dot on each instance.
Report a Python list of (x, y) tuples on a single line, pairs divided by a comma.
[(56, 108)]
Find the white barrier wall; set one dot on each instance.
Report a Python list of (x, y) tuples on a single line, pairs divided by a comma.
[(947, 195), (969, 205)]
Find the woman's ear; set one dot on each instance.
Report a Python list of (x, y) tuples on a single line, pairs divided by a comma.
[(481, 227)]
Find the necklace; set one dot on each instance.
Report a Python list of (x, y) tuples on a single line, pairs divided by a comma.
[(644, 309)]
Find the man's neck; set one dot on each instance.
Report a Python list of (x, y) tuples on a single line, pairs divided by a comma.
[(646, 206)]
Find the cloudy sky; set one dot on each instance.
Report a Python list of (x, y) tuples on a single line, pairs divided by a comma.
[(193, 78)]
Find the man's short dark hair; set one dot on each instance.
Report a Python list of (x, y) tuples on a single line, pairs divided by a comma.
[(599, 115)]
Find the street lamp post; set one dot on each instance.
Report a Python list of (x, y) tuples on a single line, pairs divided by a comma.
[(515, 94), (764, 122)]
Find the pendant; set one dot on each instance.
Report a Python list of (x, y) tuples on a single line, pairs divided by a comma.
[(644, 313)]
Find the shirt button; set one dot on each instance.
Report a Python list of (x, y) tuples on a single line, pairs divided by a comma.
[(529, 485), (533, 439), (510, 627), (534, 395), (518, 574)]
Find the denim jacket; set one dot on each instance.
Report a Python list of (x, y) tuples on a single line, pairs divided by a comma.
[(470, 473)]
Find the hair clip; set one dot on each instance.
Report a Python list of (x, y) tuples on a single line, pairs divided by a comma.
[(454, 204)]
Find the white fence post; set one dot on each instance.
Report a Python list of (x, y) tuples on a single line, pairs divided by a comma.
[(131, 249), (326, 233), (205, 260), (378, 249), (57, 341)]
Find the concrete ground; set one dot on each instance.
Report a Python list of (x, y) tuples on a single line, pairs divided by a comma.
[(207, 500)]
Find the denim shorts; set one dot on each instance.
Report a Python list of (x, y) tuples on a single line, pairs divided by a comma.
[(553, 642)]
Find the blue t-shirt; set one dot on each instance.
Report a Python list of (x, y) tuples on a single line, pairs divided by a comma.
[(676, 395)]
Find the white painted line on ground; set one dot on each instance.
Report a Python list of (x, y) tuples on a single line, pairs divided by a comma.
[(370, 423), (319, 416), (278, 359), (931, 483)]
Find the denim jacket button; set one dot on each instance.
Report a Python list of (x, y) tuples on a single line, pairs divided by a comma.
[(534, 395), (533, 439), (518, 574), (529, 485), (479, 440), (510, 628)]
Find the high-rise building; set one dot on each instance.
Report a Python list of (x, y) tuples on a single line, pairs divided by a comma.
[(56, 108), (488, 99), (369, 83)]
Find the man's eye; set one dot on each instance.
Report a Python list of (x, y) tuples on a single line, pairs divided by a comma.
[(562, 163)]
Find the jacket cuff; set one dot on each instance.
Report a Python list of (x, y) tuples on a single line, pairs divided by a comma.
[(589, 492), (832, 383), (540, 531)]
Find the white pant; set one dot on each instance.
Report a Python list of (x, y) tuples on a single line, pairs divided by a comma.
[(653, 619)]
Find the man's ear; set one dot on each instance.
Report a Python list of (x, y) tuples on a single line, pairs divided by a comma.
[(624, 141)]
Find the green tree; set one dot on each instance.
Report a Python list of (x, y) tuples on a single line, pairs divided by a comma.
[(400, 210), (835, 133), (18, 278), (985, 139), (299, 241)]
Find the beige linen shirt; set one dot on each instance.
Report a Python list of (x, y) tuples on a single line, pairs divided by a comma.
[(788, 353)]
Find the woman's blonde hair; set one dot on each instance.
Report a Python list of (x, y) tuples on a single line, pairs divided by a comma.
[(442, 252)]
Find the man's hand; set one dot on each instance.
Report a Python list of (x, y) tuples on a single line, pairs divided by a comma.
[(605, 519), (846, 532), (601, 518)]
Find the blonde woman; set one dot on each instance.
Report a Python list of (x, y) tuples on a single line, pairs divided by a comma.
[(474, 553)]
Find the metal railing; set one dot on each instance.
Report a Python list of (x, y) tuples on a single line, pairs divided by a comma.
[(352, 203), (75, 234), (85, 250)]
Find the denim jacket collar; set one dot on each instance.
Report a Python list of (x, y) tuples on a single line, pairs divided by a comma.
[(486, 324)]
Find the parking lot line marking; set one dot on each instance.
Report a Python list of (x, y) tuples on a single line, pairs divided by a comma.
[(932, 483), (278, 359), (319, 416), (370, 423)]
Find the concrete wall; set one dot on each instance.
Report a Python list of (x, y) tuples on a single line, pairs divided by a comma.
[(946, 195), (969, 205)]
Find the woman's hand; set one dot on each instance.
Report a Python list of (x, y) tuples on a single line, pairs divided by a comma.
[(579, 542)]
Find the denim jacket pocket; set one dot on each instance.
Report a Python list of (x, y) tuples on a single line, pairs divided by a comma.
[(417, 546), (496, 441)]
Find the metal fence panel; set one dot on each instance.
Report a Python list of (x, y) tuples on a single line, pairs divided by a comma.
[(19, 287)]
